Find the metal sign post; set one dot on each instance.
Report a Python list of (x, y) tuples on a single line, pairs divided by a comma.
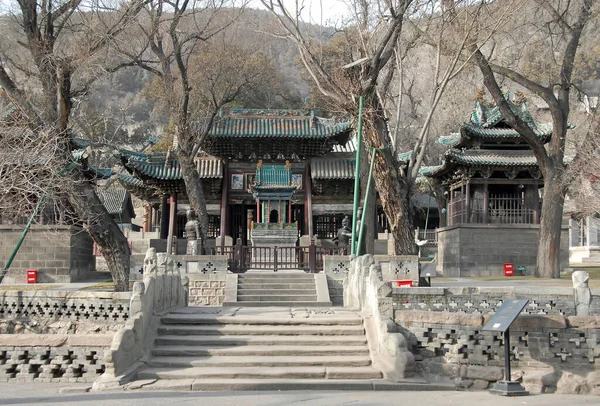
[(501, 321)]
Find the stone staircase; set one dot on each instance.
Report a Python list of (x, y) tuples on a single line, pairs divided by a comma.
[(280, 289), (246, 348)]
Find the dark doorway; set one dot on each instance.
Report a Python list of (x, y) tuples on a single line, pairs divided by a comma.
[(273, 217)]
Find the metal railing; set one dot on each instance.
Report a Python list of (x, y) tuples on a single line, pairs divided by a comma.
[(307, 258)]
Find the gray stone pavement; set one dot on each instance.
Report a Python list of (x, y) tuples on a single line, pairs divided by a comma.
[(48, 394)]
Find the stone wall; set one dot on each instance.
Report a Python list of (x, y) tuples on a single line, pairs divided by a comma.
[(206, 289), (548, 352), (52, 358), (59, 253), (336, 268), (187, 264), (482, 249), (483, 300), (58, 336), (393, 267), (62, 312)]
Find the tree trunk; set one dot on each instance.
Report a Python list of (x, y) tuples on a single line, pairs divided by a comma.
[(104, 231), (193, 186), (393, 190), (548, 254)]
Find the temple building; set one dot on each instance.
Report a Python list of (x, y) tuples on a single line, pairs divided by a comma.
[(492, 188), (261, 167)]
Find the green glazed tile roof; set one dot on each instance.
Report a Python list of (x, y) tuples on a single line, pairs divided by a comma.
[(541, 130), (265, 123), (488, 115), (131, 180), (487, 123), (329, 167), (502, 158), (162, 167), (114, 199)]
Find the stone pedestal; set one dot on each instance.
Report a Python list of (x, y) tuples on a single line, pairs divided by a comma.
[(274, 238), (193, 247)]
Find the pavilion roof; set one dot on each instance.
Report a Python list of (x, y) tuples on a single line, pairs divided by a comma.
[(117, 200), (269, 134), (163, 166), (487, 125), (333, 167), (267, 123)]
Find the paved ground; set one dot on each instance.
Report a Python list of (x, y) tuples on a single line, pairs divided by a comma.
[(47, 394)]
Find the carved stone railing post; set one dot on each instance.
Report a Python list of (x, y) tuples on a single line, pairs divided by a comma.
[(582, 292), (163, 288), (365, 290)]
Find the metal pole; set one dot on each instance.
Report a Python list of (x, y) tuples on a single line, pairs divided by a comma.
[(357, 175), (28, 226), (362, 223), (507, 375), (23, 235)]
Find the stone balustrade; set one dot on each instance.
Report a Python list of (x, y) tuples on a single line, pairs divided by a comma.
[(163, 289)]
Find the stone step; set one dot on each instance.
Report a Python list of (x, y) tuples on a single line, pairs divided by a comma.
[(279, 298), (257, 340), (276, 286), (260, 373), (275, 280), (326, 320), (246, 291), (276, 275), (256, 350), (259, 361), (277, 304), (301, 330), (279, 384)]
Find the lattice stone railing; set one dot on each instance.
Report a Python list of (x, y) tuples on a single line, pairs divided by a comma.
[(52, 357), (48, 305), (550, 300)]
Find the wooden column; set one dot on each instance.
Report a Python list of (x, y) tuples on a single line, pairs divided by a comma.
[(258, 213), (268, 211), (486, 202), (468, 201), (224, 207), (308, 200), (289, 203), (450, 207), (164, 218)]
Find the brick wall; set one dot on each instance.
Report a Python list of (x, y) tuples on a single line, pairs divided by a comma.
[(60, 254), (482, 249)]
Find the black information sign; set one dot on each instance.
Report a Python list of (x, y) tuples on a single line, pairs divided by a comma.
[(501, 321), (505, 315)]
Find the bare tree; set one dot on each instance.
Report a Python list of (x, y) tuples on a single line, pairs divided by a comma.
[(63, 41), (376, 40), (198, 70), (560, 27)]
